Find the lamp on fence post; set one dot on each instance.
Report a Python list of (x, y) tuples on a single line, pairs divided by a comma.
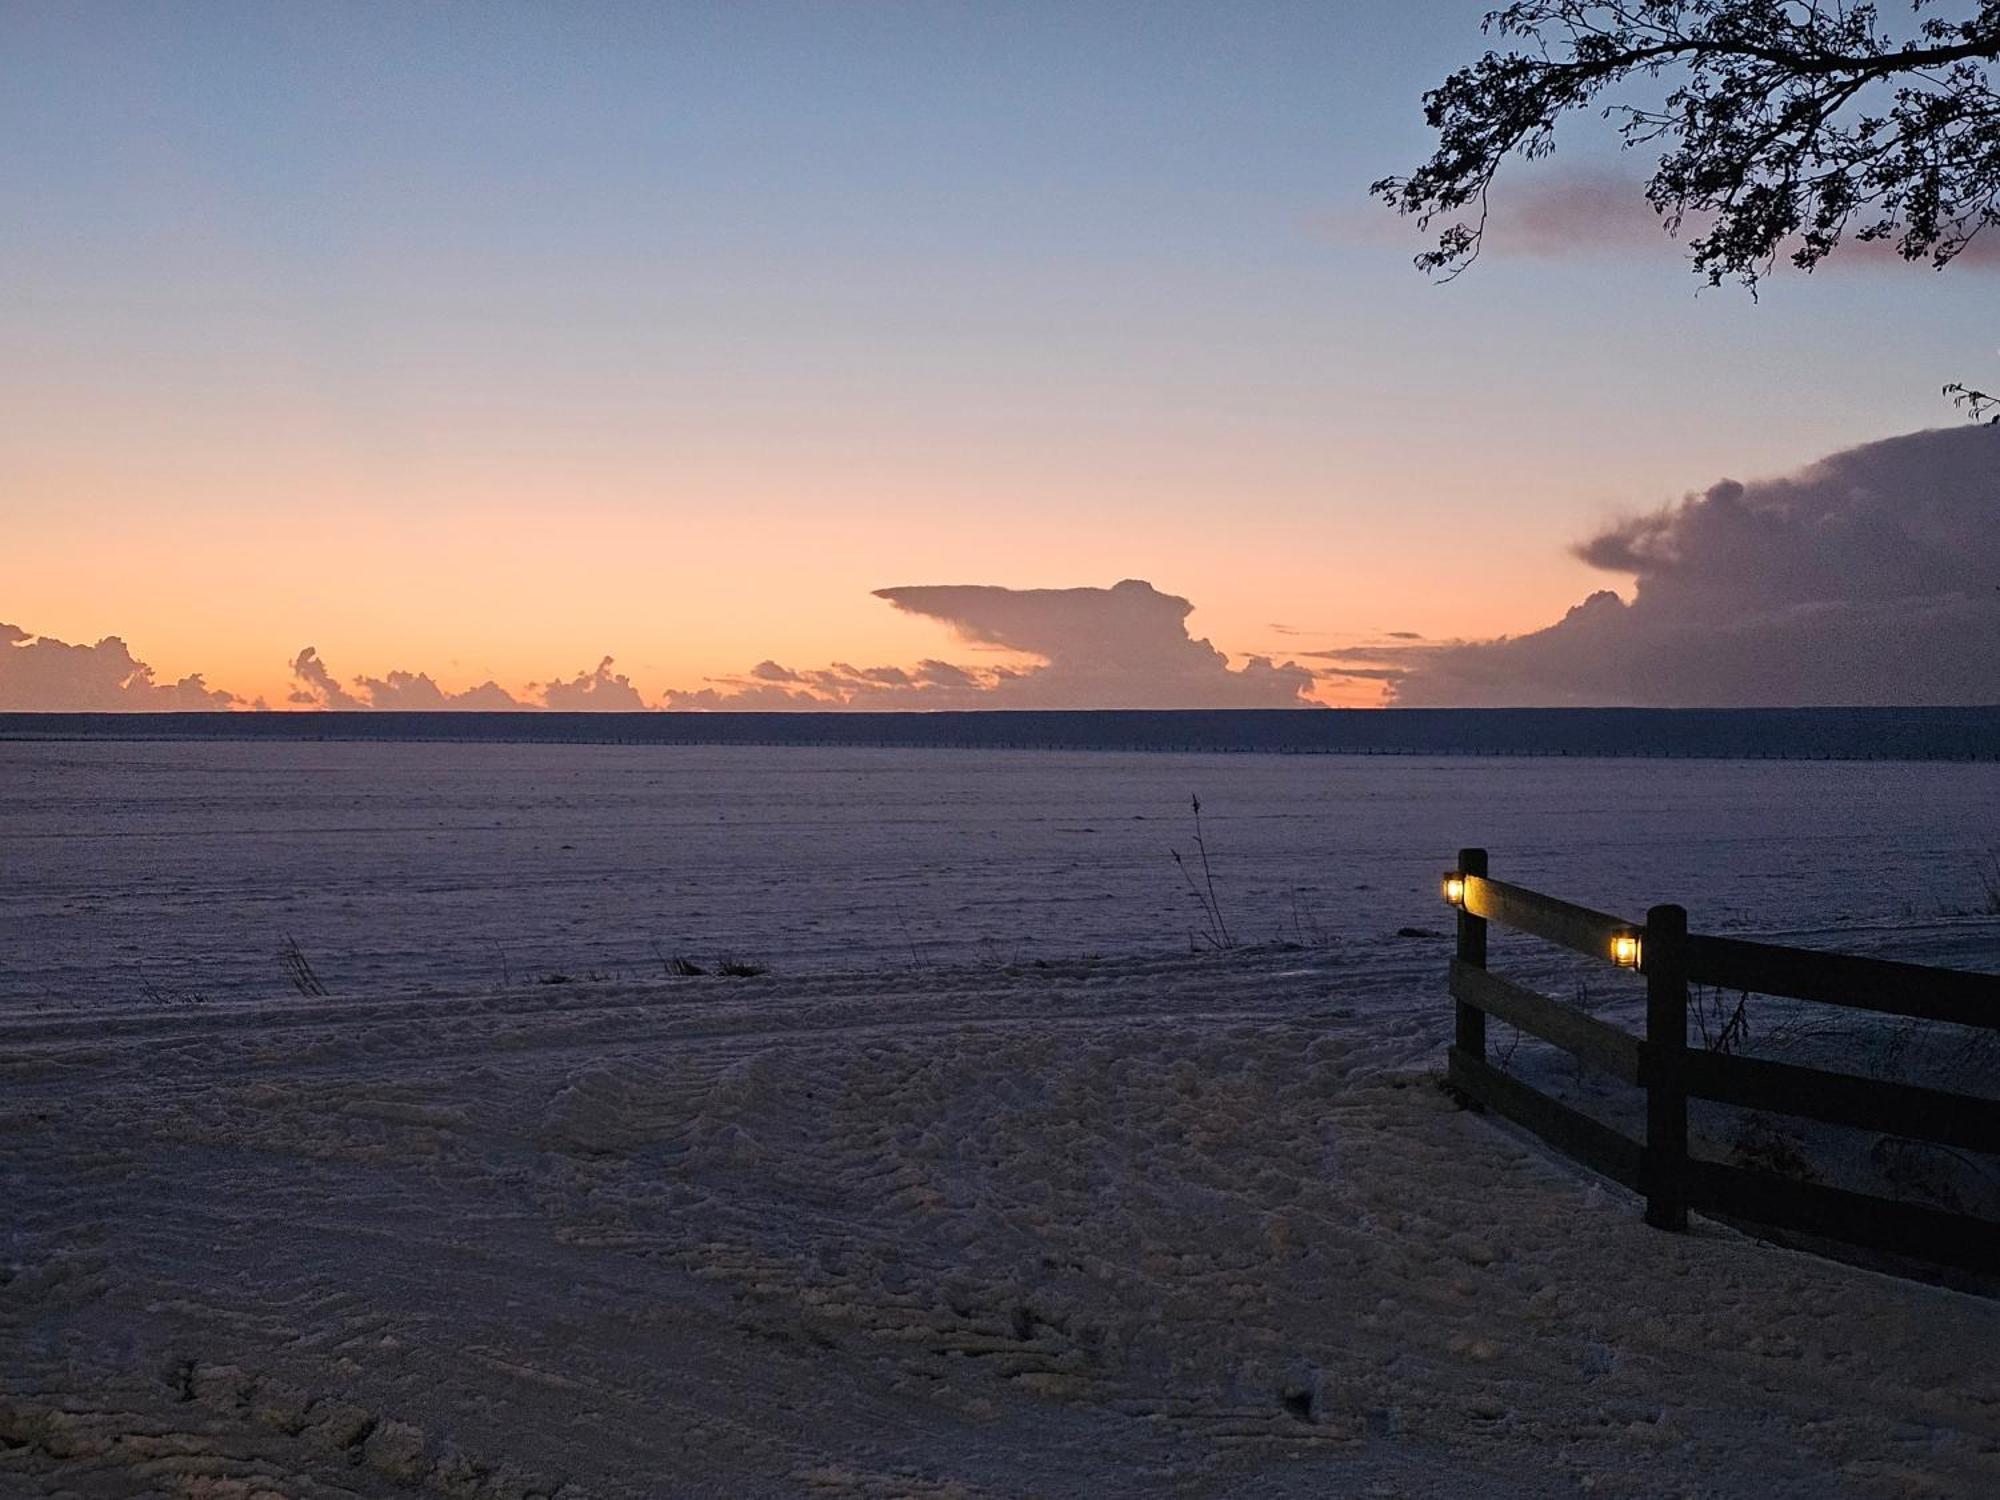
[(1471, 1021), (1663, 955), (1628, 950)]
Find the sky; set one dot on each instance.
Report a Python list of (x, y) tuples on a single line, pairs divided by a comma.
[(442, 346)]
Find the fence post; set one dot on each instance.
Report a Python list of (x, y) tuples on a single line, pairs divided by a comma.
[(1471, 1037), (1663, 953)]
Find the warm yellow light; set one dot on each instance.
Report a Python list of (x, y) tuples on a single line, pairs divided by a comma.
[(1454, 888), (1625, 950)]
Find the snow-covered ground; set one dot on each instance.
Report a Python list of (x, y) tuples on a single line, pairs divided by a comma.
[(895, 1219), (401, 867), (1174, 1227)]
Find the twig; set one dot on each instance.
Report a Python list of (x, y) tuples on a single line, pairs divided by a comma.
[(298, 968), (1216, 928), (1975, 404)]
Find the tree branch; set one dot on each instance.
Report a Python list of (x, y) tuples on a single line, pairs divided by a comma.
[(1789, 126)]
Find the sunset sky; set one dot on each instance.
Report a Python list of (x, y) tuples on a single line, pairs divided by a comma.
[(491, 340)]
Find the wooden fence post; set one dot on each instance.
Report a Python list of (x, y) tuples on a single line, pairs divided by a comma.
[(1471, 1037), (1663, 954)]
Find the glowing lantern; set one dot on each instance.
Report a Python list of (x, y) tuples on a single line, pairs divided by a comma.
[(1454, 888), (1625, 949)]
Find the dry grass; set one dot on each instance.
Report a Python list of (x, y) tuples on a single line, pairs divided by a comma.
[(299, 970), (1214, 930)]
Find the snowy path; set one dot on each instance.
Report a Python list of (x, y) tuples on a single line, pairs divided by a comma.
[(1134, 1228)]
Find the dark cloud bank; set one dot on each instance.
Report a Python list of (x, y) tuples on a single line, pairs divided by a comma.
[(1872, 577)]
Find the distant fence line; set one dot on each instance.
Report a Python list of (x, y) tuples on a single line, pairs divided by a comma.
[(1920, 734), (1662, 1064)]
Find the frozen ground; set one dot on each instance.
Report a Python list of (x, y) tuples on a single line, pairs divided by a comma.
[(882, 1224), (401, 867), (1169, 1227)]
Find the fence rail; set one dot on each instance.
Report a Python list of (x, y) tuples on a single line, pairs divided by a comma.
[(1574, 927), (1661, 1167)]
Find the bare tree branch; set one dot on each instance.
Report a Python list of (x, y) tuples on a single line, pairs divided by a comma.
[(1975, 404)]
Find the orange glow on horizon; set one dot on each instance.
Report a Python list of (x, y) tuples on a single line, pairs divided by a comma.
[(688, 587)]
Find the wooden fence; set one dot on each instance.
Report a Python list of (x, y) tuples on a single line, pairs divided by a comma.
[(1670, 1072)]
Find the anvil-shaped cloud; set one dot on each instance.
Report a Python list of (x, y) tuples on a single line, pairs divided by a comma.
[(1126, 646)]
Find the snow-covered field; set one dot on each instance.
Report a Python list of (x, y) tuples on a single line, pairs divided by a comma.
[(914, 1214), (399, 867)]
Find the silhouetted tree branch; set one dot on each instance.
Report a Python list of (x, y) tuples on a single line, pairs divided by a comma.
[(1975, 404), (1785, 124)]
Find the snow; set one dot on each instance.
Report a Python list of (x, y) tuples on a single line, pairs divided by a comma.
[(1146, 1224), (399, 867), (1178, 1226)]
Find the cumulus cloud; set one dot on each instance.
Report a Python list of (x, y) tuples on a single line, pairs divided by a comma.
[(1121, 647), (769, 687), (419, 691), (602, 691), (1869, 578), (39, 673), (318, 687), (597, 690), (408, 691)]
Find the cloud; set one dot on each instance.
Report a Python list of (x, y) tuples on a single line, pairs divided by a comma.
[(1125, 646), (738, 696), (1122, 647), (318, 688), (43, 674), (1563, 212), (407, 691), (1868, 578), (1572, 211), (1364, 673), (600, 691), (419, 691), (944, 675)]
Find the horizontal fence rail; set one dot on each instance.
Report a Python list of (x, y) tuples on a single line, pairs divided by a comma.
[(1917, 1114), (1915, 990), (1570, 1131), (1661, 1167), (1615, 1052), (1574, 927)]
